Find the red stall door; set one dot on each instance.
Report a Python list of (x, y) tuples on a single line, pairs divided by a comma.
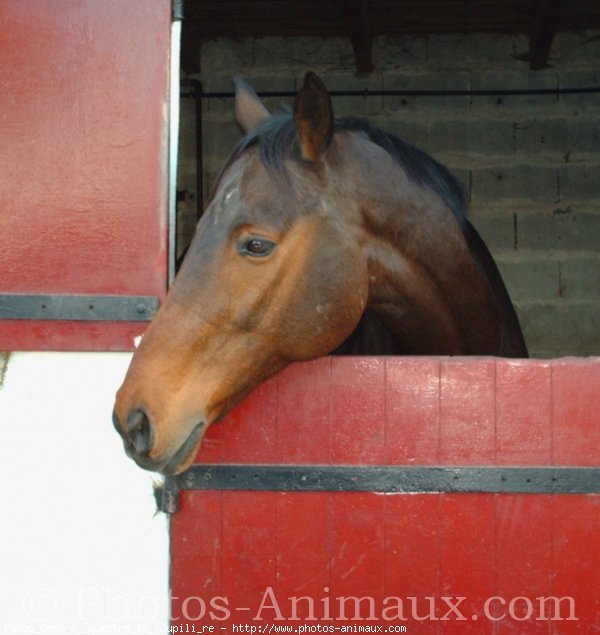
[(434, 495), (83, 192)]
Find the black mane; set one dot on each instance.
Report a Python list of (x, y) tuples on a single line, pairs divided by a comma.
[(276, 141)]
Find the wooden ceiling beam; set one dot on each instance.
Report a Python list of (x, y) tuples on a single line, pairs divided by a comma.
[(362, 20), (361, 34), (543, 29)]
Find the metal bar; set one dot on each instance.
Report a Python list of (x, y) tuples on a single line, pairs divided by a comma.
[(390, 479), (417, 93), (177, 12), (166, 498), (84, 308)]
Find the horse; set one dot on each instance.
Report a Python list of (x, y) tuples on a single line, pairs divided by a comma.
[(321, 236)]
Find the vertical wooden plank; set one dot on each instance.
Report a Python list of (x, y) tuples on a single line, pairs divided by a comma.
[(250, 431), (211, 448), (412, 411), (412, 552), (249, 552), (576, 557), (468, 560), (524, 522), (303, 554), (304, 434), (523, 412), (358, 555), (196, 550), (467, 412), (357, 519), (358, 410), (524, 562), (576, 412)]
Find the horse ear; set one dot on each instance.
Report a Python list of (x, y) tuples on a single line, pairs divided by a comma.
[(249, 109), (313, 116)]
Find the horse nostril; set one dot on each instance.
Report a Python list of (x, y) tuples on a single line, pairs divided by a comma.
[(139, 431)]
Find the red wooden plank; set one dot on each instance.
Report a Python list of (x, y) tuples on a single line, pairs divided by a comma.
[(249, 553), (412, 559), (83, 193), (523, 412), (250, 432), (467, 411), (412, 403), (211, 448), (27, 335), (524, 562), (576, 558), (576, 411), (357, 556), (358, 410), (304, 392), (468, 561), (196, 550), (303, 555)]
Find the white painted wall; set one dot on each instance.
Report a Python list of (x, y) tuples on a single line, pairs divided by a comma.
[(80, 547)]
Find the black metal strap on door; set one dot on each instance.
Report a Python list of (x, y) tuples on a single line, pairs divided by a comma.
[(382, 479), (77, 307)]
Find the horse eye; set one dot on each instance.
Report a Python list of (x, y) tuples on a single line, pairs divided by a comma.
[(256, 247)]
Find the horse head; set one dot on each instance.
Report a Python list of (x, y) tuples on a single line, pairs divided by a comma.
[(272, 276)]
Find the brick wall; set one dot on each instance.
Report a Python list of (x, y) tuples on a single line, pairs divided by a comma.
[(531, 163)]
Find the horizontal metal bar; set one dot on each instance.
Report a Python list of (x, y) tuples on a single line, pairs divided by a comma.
[(492, 92), (85, 308), (389, 479)]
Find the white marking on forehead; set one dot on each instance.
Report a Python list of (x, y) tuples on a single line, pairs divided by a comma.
[(227, 202), (230, 202), (230, 198)]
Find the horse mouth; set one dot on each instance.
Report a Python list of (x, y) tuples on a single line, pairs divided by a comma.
[(179, 461)]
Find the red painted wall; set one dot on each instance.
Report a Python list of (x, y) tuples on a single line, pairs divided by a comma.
[(400, 411), (83, 191)]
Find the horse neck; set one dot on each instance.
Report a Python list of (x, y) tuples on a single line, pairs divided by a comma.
[(405, 294), (424, 282)]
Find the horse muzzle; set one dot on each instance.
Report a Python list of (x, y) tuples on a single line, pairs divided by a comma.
[(138, 434)]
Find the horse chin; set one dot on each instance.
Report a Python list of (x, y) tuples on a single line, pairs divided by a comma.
[(183, 458), (179, 461)]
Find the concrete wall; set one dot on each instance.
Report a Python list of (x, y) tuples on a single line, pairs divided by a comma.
[(531, 164), (81, 550)]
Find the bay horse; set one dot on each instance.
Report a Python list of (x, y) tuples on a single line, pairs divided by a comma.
[(321, 236)]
